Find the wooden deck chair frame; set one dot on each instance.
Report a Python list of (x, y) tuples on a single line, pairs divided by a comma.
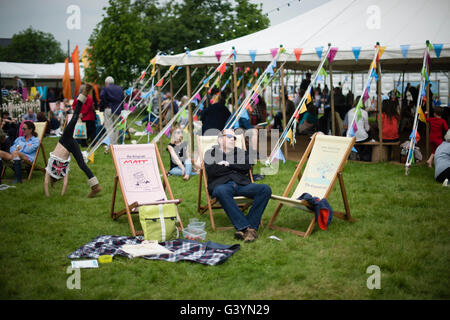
[(133, 207), (303, 204), (41, 127), (211, 202)]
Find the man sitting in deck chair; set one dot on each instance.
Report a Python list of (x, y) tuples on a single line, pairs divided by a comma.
[(226, 167)]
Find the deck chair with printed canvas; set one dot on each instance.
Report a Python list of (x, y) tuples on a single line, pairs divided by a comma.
[(138, 172), (41, 127), (325, 158), (205, 143)]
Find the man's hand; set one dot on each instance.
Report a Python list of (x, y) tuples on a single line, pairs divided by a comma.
[(224, 163)]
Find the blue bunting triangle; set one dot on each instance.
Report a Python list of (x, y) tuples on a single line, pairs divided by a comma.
[(405, 49), (319, 51), (356, 51), (438, 49), (252, 54)]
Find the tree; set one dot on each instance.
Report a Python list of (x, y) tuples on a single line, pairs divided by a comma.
[(132, 32), (33, 46), (118, 45)]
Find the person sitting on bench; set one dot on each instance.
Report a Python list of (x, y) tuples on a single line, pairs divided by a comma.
[(227, 168)]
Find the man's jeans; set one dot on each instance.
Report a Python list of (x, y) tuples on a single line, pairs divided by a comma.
[(260, 193)]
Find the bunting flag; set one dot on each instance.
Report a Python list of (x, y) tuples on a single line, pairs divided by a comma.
[(323, 72), (274, 52), (247, 70), (222, 68), (358, 114), (421, 115), (430, 46), (133, 108), (218, 55), (308, 98), (380, 52), (167, 132), (149, 128), (303, 108), (373, 65), (125, 106), (319, 51), (172, 67), (289, 136), (354, 127), (270, 69), (405, 49), (374, 74), (279, 156), (256, 73), (198, 97), (234, 53), (76, 70), (153, 71), (91, 157), (195, 118), (365, 96), (200, 53), (356, 52), (298, 53), (252, 54), (332, 54), (67, 93), (438, 48), (160, 83), (425, 74), (428, 60), (142, 76)]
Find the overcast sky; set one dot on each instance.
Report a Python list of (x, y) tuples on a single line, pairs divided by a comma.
[(76, 19)]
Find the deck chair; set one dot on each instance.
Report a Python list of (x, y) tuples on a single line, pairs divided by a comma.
[(325, 158), (139, 177), (205, 143), (41, 127)]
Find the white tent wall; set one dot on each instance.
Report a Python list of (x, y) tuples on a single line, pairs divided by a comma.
[(344, 24)]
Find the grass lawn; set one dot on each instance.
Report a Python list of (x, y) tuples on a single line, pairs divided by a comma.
[(402, 227)]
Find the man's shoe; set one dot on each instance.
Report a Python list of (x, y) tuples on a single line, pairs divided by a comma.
[(240, 235), (257, 177), (250, 235)]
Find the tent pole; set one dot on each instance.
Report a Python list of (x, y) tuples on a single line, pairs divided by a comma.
[(428, 113), (171, 95), (333, 116), (283, 106), (235, 104), (159, 108), (206, 89), (189, 93)]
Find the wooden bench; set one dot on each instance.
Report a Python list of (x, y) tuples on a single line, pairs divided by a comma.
[(379, 151)]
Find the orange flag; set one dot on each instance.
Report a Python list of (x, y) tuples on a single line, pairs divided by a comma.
[(298, 53), (67, 93), (160, 83), (76, 70)]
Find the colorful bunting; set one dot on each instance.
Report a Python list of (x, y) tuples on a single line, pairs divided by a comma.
[(374, 74), (430, 46), (252, 54), (319, 51), (332, 54), (142, 76), (160, 83), (218, 55), (274, 52), (421, 115), (172, 67), (91, 157), (405, 49), (149, 128), (289, 136), (438, 48), (222, 68), (356, 51), (298, 53)]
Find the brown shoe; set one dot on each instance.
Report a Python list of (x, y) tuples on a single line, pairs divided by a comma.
[(250, 235), (240, 235), (94, 190)]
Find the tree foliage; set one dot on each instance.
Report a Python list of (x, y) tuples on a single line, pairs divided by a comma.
[(133, 32), (33, 46)]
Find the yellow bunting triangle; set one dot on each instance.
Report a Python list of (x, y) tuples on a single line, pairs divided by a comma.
[(421, 115), (172, 67), (91, 157), (308, 99), (381, 51), (303, 108)]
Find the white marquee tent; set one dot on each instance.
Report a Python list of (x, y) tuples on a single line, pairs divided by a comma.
[(36, 71), (344, 24)]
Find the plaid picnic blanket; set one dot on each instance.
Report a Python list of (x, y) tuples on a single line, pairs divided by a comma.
[(209, 253)]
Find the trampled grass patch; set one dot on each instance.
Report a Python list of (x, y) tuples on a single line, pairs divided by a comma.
[(401, 226)]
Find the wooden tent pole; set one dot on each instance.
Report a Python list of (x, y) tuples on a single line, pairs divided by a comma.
[(428, 113), (380, 124), (235, 106), (171, 96), (191, 127), (283, 108)]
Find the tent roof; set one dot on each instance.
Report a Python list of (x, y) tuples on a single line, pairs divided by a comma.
[(344, 24), (36, 71)]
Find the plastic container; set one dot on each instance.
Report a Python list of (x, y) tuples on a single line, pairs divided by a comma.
[(196, 224), (105, 259), (194, 234)]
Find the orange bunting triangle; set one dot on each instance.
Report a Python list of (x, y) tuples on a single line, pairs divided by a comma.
[(160, 83), (298, 53), (222, 68)]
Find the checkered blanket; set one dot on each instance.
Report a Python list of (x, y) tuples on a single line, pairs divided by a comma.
[(208, 253)]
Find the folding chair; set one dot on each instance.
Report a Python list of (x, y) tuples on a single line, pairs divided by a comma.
[(41, 127), (139, 178), (205, 143), (325, 158)]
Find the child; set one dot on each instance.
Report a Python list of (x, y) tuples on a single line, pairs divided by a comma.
[(58, 163), (438, 128)]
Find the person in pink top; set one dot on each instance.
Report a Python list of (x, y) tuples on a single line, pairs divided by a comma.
[(438, 128), (87, 115)]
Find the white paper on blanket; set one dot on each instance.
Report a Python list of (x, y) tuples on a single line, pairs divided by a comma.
[(84, 264), (139, 172), (146, 248)]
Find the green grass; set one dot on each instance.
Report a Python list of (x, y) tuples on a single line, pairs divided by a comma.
[(402, 226)]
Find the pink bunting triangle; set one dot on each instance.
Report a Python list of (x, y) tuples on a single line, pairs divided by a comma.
[(274, 52), (198, 97), (132, 108), (218, 55), (125, 106), (332, 54), (149, 128)]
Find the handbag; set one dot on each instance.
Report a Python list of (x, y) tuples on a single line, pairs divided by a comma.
[(80, 131), (159, 222)]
